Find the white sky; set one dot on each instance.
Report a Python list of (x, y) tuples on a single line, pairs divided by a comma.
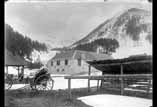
[(61, 24)]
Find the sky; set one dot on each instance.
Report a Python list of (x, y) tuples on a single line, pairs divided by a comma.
[(63, 23)]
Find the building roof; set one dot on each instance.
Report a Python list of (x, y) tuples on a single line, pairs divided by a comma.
[(13, 60), (84, 55), (133, 64)]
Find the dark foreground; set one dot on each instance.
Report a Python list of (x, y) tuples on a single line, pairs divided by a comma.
[(60, 98)]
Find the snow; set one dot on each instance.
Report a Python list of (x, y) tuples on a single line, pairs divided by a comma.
[(57, 0), (11, 70), (107, 100), (130, 89), (131, 1), (136, 85), (18, 86), (61, 83)]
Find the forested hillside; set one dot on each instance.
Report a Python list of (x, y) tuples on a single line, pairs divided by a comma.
[(131, 28), (108, 45), (20, 44)]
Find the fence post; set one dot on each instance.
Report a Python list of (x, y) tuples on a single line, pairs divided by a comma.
[(149, 85), (89, 73), (122, 82), (7, 70), (97, 84), (69, 87)]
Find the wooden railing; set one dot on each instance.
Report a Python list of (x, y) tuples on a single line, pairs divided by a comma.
[(121, 81)]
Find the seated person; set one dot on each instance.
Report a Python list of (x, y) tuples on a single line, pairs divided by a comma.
[(42, 71)]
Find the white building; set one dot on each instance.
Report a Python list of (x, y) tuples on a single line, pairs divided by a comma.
[(74, 62)]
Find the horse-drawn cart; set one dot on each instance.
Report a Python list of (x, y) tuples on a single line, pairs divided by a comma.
[(40, 81)]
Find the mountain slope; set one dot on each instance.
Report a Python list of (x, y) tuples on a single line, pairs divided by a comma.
[(132, 25)]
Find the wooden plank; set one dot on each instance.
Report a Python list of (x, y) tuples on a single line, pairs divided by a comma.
[(69, 88), (119, 63), (149, 85), (97, 85), (122, 83), (7, 70), (18, 71), (131, 76), (89, 73)]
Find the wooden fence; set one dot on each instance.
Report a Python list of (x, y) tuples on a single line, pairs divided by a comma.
[(121, 82)]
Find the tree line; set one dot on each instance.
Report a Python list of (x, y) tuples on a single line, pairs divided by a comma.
[(21, 45), (109, 45)]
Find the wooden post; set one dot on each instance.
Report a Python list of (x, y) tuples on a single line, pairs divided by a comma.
[(89, 73), (18, 71), (102, 80), (69, 87), (22, 70), (122, 83), (7, 70), (149, 85), (97, 84)]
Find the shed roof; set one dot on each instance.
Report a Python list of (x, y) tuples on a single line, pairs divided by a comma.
[(133, 64), (13, 60)]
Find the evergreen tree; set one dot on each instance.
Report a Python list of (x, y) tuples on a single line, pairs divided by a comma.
[(19, 44), (109, 45)]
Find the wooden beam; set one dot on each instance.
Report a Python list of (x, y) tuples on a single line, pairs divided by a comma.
[(89, 70), (149, 85), (89, 73), (97, 85), (18, 71), (7, 70), (122, 83), (110, 76), (69, 88), (23, 69), (119, 63)]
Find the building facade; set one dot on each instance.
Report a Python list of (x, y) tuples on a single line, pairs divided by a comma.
[(74, 62)]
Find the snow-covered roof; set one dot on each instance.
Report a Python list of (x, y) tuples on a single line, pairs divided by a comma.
[(84, 55)]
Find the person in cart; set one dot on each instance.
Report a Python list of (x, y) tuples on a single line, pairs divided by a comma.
[(42, 77)]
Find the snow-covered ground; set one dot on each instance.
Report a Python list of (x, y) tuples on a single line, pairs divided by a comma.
[(61, 83), (17, 86), (107, 100)]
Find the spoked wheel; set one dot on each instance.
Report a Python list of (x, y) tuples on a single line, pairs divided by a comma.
[(8, 84), (44, 83)]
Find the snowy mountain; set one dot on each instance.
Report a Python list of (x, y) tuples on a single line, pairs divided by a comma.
[(131, 28)]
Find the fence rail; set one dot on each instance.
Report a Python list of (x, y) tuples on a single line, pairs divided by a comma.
[(110, 76), (133, 82)]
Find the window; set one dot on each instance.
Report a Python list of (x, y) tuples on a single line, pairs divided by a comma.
[(79, 62), (66, 62), (57, 70), (58, 62), (51, 63)]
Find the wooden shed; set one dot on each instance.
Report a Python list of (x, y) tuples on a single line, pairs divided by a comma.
[(140, 64), (14, 60)]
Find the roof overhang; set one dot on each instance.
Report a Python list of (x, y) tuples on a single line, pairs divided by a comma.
[(140, 63)]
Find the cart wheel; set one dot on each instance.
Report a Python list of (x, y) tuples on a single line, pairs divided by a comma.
[(8, 83), (45, 84)]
